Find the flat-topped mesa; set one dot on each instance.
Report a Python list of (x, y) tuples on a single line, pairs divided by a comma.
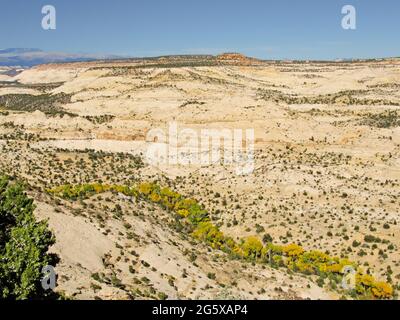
[(236, 59)]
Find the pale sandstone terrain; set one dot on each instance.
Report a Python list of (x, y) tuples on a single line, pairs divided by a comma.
[(326, 169)]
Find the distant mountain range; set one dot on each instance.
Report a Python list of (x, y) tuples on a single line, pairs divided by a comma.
[(28, 57)]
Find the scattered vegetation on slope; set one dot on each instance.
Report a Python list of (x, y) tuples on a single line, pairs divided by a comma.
[(194, 219), (24, 243)]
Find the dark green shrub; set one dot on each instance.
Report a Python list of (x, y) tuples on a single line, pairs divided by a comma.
[(24, 243)]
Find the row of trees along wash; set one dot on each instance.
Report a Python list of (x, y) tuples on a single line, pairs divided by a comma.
[(24, 244), (198, 223)]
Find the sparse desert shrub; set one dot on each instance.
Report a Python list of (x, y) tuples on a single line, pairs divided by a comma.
[(162, 296)]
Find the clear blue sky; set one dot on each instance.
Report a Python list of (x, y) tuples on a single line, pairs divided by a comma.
[(293, 29)]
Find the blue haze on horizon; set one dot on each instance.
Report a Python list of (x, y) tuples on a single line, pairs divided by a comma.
[(267, 29)]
